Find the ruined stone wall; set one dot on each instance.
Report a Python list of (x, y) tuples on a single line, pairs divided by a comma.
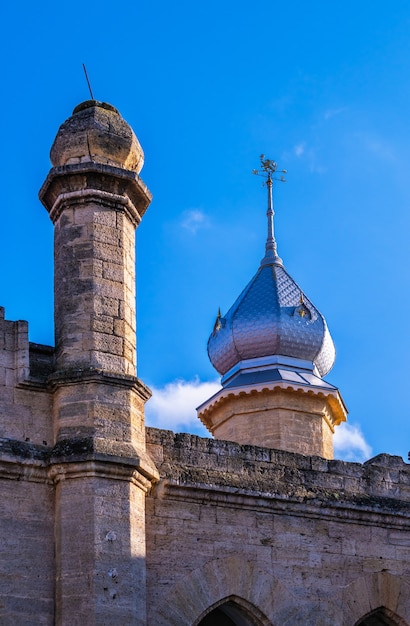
[(297, 539), (25, 401)]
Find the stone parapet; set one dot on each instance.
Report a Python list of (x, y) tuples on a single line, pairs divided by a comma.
[(381, 485)]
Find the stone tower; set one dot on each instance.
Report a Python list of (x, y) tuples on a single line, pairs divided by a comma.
[(272, 349), (229, 534), (96, 199)]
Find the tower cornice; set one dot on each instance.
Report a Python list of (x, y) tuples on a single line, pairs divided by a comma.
[(75, 184), (92, 375)]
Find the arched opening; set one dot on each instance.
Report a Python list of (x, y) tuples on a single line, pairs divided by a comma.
[(229, 613), (381, 617)]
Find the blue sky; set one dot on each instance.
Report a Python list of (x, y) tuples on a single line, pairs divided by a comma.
[(323, 88)]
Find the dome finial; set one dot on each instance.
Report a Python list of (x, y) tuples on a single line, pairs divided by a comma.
[(268, 169)]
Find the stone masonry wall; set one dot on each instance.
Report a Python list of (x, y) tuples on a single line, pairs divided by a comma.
[(27, 570), (296, 539), (287, 420), (25, 402), (95, 289)]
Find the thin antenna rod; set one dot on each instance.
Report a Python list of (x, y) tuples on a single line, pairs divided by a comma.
[(88, 82)]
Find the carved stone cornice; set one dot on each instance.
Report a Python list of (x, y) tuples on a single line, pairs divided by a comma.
[(74, 459), (82, 183), (373, 511), (93, 375)]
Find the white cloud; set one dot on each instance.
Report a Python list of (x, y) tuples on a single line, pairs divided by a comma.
[(350, 444), (173, 406), (193, 220), (376, 145), (299, 149), (380, 149), (309, 154), (333, 112)]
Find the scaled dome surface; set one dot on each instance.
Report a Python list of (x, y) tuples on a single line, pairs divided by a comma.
[(97, 132), (271, 317)]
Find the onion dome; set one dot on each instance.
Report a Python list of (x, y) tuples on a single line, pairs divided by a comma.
[(272, 317), (97, 132)]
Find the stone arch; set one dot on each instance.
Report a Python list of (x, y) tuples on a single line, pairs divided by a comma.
[(246, 583), (270, 603), (232, 611), (381, 617), (382, 595)]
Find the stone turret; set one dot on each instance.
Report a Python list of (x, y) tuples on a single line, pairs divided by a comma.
[(96, 200), (272, 349)]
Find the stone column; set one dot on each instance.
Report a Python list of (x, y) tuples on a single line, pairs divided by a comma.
[(96, 199)]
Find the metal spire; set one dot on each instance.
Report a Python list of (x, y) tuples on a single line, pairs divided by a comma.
[(268, 170)]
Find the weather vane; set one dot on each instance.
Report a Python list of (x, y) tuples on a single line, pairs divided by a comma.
[(269, 171)]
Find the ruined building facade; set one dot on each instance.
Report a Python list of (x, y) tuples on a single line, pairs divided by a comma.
[(106, 522)]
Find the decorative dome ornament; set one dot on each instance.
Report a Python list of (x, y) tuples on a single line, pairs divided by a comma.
[(272, 317), (97, 133), (272, 348)]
